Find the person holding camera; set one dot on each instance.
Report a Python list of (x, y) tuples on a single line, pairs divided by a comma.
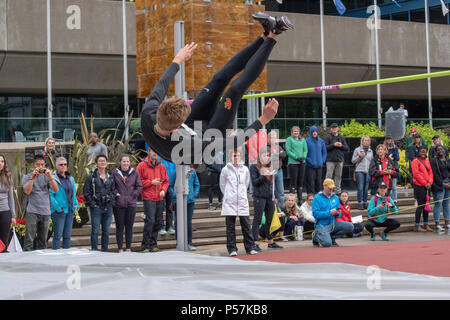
[(100, 192), (379, 207), (440, 164), (37, 186)]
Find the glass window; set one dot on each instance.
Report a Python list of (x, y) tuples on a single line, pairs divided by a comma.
[(418, 15), (400, 16), (436, 15)]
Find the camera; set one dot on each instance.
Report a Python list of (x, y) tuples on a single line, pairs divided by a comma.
[(42, 170)]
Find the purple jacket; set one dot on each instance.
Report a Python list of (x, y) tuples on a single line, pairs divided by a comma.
[(129, 188)]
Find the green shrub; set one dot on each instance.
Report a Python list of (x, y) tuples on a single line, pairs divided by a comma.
[(356, 129)]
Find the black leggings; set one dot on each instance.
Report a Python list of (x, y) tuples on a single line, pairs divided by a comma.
[(5, 226), (261, 205), (420, 193), (219, 111), (124, 218)]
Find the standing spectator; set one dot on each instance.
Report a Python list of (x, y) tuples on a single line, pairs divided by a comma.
[(293, 215), (393, 155), (214, 171), (336, 146), (317, 156), (436, 142), (261, 175), (168, 199), (128, 187), (362, 157), (413, 149), (326, 210), (379, 207), (254, 144), (194, 190), (405, 111), (36, 186), (306, 211), (63, 204), (100, 192), (278, 154), (50, 153), (234, 182), (7, 207), (346, 216), (409, 140), (440, 165), (381, 169), (297, 150), (96, 147), (155, 183), (423, 180)]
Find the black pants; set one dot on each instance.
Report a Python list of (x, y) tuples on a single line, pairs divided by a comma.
[(153, 211), (5, 227), (169, 212), (296, 175), (217, 111), (214, 186), (124, 218), (246, 232), (390, 224), (420, 193), (261, 205), (313, 180)]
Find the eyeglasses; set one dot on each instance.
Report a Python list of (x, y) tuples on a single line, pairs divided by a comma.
[(62, 164)]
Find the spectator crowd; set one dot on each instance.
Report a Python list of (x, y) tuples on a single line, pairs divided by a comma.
[(278, 216)]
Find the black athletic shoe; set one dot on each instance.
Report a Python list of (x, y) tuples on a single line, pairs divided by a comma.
[(316, 244), (257, 248), (274, 245), (268, 22), (282, 24), (334, 244)]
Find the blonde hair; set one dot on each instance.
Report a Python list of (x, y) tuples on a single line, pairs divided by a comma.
[(365, 137), (382, 146), (172, 113), (290, 195), (47, 140)]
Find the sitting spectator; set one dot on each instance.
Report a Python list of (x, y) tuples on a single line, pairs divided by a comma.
[(325, 210), (306, 211), (194, 190), (393, 155), (379, 207), (234, 183), (362, 157), (100, 191), (381, 169), (37, 186), (346, 216), (7, 207), (63, 204), (440, 165), (423, 180), (128, 187), (155, 183), (264, 200), (293, 215), (436, 142)]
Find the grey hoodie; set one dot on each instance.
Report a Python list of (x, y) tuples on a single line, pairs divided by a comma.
[(362, 165)]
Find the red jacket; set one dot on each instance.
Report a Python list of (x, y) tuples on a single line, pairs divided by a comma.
[(422, 173), (148, 173), (346, 216), (258, 140)]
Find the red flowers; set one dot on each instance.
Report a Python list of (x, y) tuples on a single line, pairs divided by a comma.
[(80, 198), (20, 221)]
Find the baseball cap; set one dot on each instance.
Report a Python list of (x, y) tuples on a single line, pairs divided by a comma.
[(328, 183), (436, 136), (413, 130), (334, 124), (382, 185), (415, 135)]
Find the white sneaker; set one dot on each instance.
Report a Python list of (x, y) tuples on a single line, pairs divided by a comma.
[(191, 247), (234, 253), (439, 229), (162, 232), (447, 227), (252, 252), (171, 231)]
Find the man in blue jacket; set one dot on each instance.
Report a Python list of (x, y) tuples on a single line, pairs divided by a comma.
[(317, 156), (325, 208)]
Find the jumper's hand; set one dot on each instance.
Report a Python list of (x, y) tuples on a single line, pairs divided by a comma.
[(269, 112), (185, 53)]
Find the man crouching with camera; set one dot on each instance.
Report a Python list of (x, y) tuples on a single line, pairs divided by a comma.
[(36, 186), (100, 192)]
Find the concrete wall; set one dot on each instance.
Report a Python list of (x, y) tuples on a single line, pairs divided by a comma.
[(350, 56)]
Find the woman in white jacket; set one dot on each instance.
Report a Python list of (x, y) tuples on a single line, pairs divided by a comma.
[(234, 182)]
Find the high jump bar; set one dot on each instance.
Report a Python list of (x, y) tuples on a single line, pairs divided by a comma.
[(350, 85)]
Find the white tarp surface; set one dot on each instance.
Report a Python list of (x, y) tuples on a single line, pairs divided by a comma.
[(173, 275)]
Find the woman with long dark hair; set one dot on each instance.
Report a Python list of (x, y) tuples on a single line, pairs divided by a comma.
[(7, 208)]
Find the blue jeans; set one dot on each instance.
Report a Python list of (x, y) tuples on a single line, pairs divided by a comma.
[(279, 186), (394, 189), (362, 182), (62, 227), (101, 217), (190, 214), (444, 194), (325, 235)]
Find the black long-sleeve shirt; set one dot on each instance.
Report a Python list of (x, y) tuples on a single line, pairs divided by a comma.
[(184, 146)]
